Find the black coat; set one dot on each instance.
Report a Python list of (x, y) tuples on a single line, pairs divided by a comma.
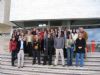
[(36, 43), (49, 43), (81, 43)]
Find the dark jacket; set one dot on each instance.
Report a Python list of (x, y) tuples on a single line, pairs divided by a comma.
[(19, 45), (36, 45), (49, 43), (81, 43)]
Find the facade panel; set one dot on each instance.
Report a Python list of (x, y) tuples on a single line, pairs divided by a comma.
[(1, 11), (54, 9)]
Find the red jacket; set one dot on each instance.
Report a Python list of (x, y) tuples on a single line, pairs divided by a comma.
[(12, 45), (41, 35)]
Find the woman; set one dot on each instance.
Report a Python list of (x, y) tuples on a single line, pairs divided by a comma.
[(69, 49), (36, 50), (48, 49), (80, 50), (13, 50), (74, 35), (29, 40)]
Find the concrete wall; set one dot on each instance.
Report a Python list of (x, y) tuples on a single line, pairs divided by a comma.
[(5, 24), (7, 4), (54, 9), (5, 28), (1, 11), (5, 12)]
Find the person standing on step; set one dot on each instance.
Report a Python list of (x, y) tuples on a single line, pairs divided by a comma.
[(13, 50), (59, 45), (36, 49), (29, 40), (48, 49), (20, 55), (80, 50), (85, 36), (69, 49)]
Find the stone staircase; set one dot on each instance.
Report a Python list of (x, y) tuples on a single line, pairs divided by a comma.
[(92, 66)]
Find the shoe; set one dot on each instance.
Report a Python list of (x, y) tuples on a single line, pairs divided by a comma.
[(76, 65), (18, 67), (39, 64), (81, 65), (33, 63), (22, 66), (54, 65), (63, 65), (13, 65), (44, 64)]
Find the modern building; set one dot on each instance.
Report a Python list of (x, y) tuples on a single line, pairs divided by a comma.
[(5, 24), (49, 13), (67, 13), (70, 13)]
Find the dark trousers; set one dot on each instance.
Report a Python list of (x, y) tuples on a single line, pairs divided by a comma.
[(36, 53), (47, 57), (42, 46), (29, 48), (14, 57)]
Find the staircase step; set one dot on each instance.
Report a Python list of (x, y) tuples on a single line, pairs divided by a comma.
[(92, 66), (94, 54), (85, 68), (44, 71), (30, 59), (30, 62)]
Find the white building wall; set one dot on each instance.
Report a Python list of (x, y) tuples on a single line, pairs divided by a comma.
[(54, 9), (5, 12), (1, 11), (5, 24), (7, 4)]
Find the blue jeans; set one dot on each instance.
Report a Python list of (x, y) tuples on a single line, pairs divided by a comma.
[(69, 56), (79, 59)]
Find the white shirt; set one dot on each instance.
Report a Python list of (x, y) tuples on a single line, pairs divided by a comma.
[(21, 47), (74, 36)]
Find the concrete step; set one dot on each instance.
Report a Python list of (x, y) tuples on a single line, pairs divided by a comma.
[(89, 54), (85, 68), (93, 54), (88, 59), (47, 70), (30, 62), (30, 59), (92, 67)]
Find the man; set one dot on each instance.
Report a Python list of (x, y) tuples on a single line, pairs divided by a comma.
[(84, 33), (48, 49), (59, 45), (21, 49), (36, 50)]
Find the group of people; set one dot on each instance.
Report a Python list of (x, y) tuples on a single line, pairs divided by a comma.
[(47, 43)]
